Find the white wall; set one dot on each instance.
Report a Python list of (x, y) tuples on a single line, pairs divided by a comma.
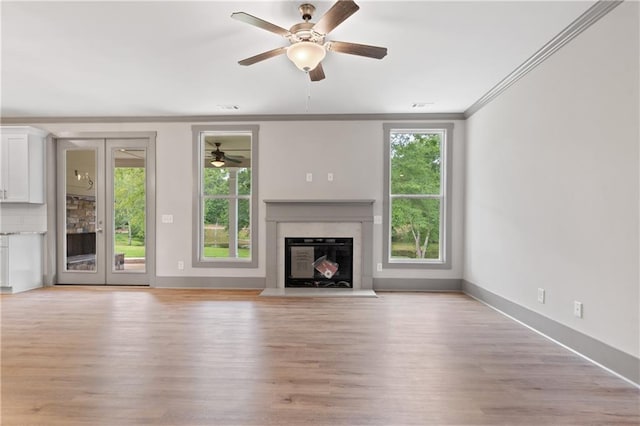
[(552, 185), (351, 150)]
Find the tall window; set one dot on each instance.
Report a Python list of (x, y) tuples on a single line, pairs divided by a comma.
[(417, 195), (225, 196)]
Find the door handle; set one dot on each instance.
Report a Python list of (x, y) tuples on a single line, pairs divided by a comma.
[(98, 229)]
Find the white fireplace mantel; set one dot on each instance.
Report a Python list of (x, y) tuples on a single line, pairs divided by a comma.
[(319, 211)]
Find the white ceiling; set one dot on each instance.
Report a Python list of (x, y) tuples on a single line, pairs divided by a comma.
[(180, 58)]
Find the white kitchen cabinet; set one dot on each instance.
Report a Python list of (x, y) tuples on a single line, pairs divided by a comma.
[(4, 260), (22, 164), (20, 261)]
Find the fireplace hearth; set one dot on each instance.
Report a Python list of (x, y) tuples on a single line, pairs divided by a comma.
[(319, 262)]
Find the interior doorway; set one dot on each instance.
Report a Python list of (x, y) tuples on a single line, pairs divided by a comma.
[(105, 211)]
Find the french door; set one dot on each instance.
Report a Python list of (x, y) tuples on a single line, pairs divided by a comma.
[(105, 211)]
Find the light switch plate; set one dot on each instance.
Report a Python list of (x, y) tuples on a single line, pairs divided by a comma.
[(167, 218)]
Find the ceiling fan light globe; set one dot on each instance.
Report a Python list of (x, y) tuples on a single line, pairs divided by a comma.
[(306, 55), (217, 163)]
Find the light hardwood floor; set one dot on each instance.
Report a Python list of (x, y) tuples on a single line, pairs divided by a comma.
[(105, 356)]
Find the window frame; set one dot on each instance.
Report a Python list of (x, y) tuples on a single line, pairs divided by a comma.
[(197, 260), (444, 262)]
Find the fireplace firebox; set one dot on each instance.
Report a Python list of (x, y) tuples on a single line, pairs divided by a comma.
[(319, 262)]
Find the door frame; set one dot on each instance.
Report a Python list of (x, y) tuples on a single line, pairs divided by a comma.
[(54, 245)]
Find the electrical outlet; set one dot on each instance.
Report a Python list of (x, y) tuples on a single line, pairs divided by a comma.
[(309, 177), (541, 295), (180, 265), (577, 309), (379, 267), (377, 220), (330, 177)]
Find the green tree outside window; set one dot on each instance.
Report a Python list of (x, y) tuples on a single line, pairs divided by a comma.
[(416, 195)]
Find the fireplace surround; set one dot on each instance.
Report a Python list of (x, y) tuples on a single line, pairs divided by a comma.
[(319, 219)]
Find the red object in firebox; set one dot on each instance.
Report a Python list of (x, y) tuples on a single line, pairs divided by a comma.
[(326, 267)]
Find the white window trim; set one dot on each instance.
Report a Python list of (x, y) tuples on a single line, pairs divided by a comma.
[(197, 260), (446, 195)]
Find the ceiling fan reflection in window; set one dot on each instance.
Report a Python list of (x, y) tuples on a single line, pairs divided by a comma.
[(219, 158), (308, 45)]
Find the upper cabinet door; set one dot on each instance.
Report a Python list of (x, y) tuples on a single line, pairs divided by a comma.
[(15, 168), (21, 165)]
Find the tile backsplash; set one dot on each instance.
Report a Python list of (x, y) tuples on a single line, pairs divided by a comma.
[(21, 217)]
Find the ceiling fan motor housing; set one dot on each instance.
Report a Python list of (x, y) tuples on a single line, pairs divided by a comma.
[(304, 32), (306, 10)]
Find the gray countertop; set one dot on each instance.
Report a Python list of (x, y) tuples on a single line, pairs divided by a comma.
[(23, 232)]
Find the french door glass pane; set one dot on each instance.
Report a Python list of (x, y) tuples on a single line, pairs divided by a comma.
[(415, 228), (129, 211), (80, 200)]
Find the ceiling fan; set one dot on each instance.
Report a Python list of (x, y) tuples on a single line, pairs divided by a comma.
[(308, 45), (219, 158)]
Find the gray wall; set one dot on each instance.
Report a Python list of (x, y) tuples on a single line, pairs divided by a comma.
[(552, 186), (351, 150)]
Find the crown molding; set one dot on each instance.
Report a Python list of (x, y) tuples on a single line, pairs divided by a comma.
[(584, 21), (234, 118)]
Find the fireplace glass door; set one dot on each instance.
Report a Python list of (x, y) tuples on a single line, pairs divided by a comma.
[(319, 262)]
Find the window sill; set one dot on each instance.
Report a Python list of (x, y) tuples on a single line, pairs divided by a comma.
[(226, 263), (416, 265)]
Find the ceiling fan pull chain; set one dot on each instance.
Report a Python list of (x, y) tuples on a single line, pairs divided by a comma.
[(308, 95)]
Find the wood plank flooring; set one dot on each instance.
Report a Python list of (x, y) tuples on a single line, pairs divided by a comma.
[(136, 356)]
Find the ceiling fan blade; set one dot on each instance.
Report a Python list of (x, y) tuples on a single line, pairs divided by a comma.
[(357, 49), (317, 73), (237, 157), (262, 56), (233, 160), (340, 11), (260, 23)]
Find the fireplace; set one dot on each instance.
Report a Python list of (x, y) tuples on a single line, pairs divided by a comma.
[(318, 262), (319, 219)]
